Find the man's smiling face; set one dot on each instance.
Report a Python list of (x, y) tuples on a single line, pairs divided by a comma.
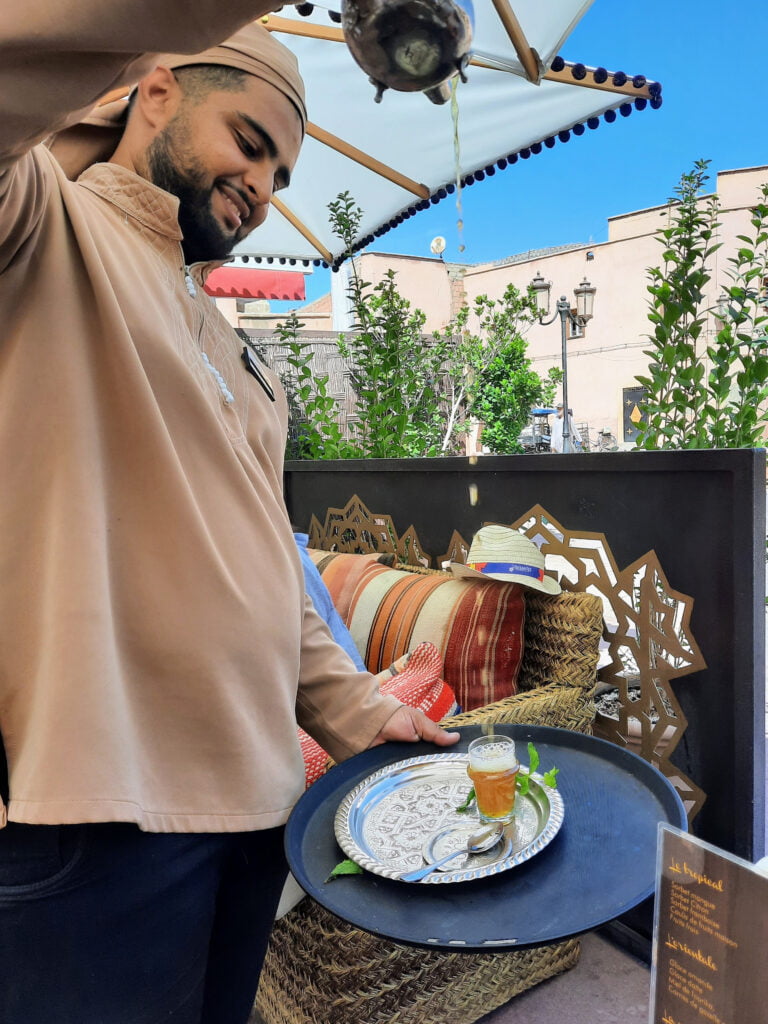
[(223, 156)]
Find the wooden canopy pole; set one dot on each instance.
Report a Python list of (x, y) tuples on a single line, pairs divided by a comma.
[(302, 28), (588, 82), (303, 230), (350, 151), (528, 56)]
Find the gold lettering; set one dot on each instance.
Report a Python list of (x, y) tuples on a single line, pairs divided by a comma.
[(703, 879), (695, 954)]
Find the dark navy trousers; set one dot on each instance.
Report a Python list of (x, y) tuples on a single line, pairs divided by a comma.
[(105, 924)]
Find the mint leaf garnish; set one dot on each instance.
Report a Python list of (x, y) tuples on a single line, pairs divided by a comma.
[(524, 781), (346, 867), (463, 808)]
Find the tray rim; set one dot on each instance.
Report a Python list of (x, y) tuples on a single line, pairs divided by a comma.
[(536, 845)]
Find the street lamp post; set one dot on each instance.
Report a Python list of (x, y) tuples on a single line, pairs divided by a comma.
[(585, 304)]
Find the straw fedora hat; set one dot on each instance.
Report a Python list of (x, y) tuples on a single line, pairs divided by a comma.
[(501, 553)]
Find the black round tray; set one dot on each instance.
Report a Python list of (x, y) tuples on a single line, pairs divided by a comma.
[(600, 865)]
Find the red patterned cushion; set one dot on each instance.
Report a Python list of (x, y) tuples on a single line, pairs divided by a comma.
[(416, 680), (315, 758), (477, 626)]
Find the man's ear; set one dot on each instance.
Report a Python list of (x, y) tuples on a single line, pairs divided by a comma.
[(158, 97)]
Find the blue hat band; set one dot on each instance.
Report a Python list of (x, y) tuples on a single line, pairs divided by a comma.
[(508, 568)]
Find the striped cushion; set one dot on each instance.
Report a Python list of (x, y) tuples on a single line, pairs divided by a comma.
[(476, 625), (341, 573)]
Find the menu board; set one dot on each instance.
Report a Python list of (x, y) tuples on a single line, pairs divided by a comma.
[(710, 938)]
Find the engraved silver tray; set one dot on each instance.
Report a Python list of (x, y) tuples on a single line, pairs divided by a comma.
[(404, 815)]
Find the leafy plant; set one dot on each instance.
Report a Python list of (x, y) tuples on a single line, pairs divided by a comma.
[(314, 432), (395, 371), (506, 390), (506, 394), (699, 395), (488, 372), (738, 380)]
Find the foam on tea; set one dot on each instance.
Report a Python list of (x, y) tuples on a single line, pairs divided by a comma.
[(495, 757)]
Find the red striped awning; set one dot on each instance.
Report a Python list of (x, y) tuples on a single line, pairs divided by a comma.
[(244, 283)]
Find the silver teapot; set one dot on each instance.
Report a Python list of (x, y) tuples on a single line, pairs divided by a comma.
[(410, 45)]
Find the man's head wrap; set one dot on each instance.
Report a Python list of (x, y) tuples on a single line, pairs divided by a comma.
[(252, 49)]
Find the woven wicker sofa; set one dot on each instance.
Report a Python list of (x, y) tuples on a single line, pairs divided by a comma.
[(319, 970)]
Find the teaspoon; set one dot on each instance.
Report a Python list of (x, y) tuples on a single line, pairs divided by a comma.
[(478, 843)]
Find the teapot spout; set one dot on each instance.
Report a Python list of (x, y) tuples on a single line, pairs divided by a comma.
[(439, 94), (442, 93)]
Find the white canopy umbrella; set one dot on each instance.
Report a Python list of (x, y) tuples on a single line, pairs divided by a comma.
[(397, 157)]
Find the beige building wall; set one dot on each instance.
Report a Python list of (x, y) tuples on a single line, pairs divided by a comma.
[(429, 284), (316, 316), (256, 315)]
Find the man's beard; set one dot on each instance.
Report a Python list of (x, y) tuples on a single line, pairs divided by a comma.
[(204, 238)]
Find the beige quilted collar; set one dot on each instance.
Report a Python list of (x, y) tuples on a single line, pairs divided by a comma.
[(135, 196)]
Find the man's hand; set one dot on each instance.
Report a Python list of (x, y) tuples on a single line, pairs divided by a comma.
[(408, 725)]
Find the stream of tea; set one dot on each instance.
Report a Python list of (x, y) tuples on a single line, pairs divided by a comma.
[(457, 159)]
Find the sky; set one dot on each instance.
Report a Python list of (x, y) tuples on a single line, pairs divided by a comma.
[(708, 56)]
